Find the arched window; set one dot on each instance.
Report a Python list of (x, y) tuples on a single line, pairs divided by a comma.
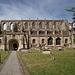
[(33, 41), (26, 25), (58, 41), (33, 25), (50, 41), (15, 28), (11, 26), (66, 40), (0, 27), (4, 26), (0, 41), (43, 41), (19, 24), (47, 26), (40, 25), (55, 26)]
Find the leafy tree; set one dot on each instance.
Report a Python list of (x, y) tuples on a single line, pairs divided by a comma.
[(72, 10)]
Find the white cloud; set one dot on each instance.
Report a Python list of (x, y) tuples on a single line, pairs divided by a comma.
[(40, 9)]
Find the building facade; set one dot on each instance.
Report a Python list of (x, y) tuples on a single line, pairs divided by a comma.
[(25, 34)]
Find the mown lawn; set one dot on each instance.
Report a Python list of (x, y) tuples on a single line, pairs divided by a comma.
[(4, 54), (42, 64)]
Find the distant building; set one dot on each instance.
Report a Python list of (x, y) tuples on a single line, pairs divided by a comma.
[(19, 34)]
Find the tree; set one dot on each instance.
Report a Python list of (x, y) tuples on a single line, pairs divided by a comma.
[(72, 10)]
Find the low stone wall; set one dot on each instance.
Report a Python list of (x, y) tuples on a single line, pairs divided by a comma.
[(45, 52)]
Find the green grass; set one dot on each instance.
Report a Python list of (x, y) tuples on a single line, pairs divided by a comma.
[(42, 64), (4, 54)]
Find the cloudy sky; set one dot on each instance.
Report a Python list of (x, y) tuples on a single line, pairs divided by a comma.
[(41, 9)]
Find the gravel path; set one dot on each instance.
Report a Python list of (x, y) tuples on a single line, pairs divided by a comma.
[(12, 66)]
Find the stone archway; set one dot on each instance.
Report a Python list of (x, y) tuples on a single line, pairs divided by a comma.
[(13, 44)]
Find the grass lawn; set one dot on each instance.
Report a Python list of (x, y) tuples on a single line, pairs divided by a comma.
[(42, 64), (4, 54)]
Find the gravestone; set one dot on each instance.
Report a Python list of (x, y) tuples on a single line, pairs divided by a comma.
[(52, 56)]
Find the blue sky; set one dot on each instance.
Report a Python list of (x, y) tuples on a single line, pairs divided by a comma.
[(41, 9)]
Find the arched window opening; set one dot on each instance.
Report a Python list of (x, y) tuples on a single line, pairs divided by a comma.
[(43, 41), (4, 26), (11, 26), (15, 28), (40, 25), (33, 26), (47, 26), (0, 41), (55, 26), (19, 24), (33, 41), (50, 41), (0, 27), (58, 41), (26, 26), (66, 40)]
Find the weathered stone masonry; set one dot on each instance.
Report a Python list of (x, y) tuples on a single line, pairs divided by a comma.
[(18, 34)]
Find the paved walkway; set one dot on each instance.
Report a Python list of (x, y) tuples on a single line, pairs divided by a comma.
[(12, 66)]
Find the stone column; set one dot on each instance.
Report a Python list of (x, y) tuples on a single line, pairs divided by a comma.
[(54, 40), (62, 41)]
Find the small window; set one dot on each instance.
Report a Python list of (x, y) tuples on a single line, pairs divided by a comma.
[(26, 26), (33, 41), (58, 41), (33, 26), (50, 41), (43, 41), (55, 26), (66, 40), (74, 40), (40, 25), (0, 41), (47, 26), (13, 36)]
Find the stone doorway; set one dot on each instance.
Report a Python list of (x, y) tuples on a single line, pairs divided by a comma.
[(13, 44)]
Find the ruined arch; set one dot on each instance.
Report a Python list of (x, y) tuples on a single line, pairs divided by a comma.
[(4, 26), (11, 26), (13, 44)]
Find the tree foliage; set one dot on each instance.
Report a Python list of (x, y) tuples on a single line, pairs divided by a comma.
[(72, 10)]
